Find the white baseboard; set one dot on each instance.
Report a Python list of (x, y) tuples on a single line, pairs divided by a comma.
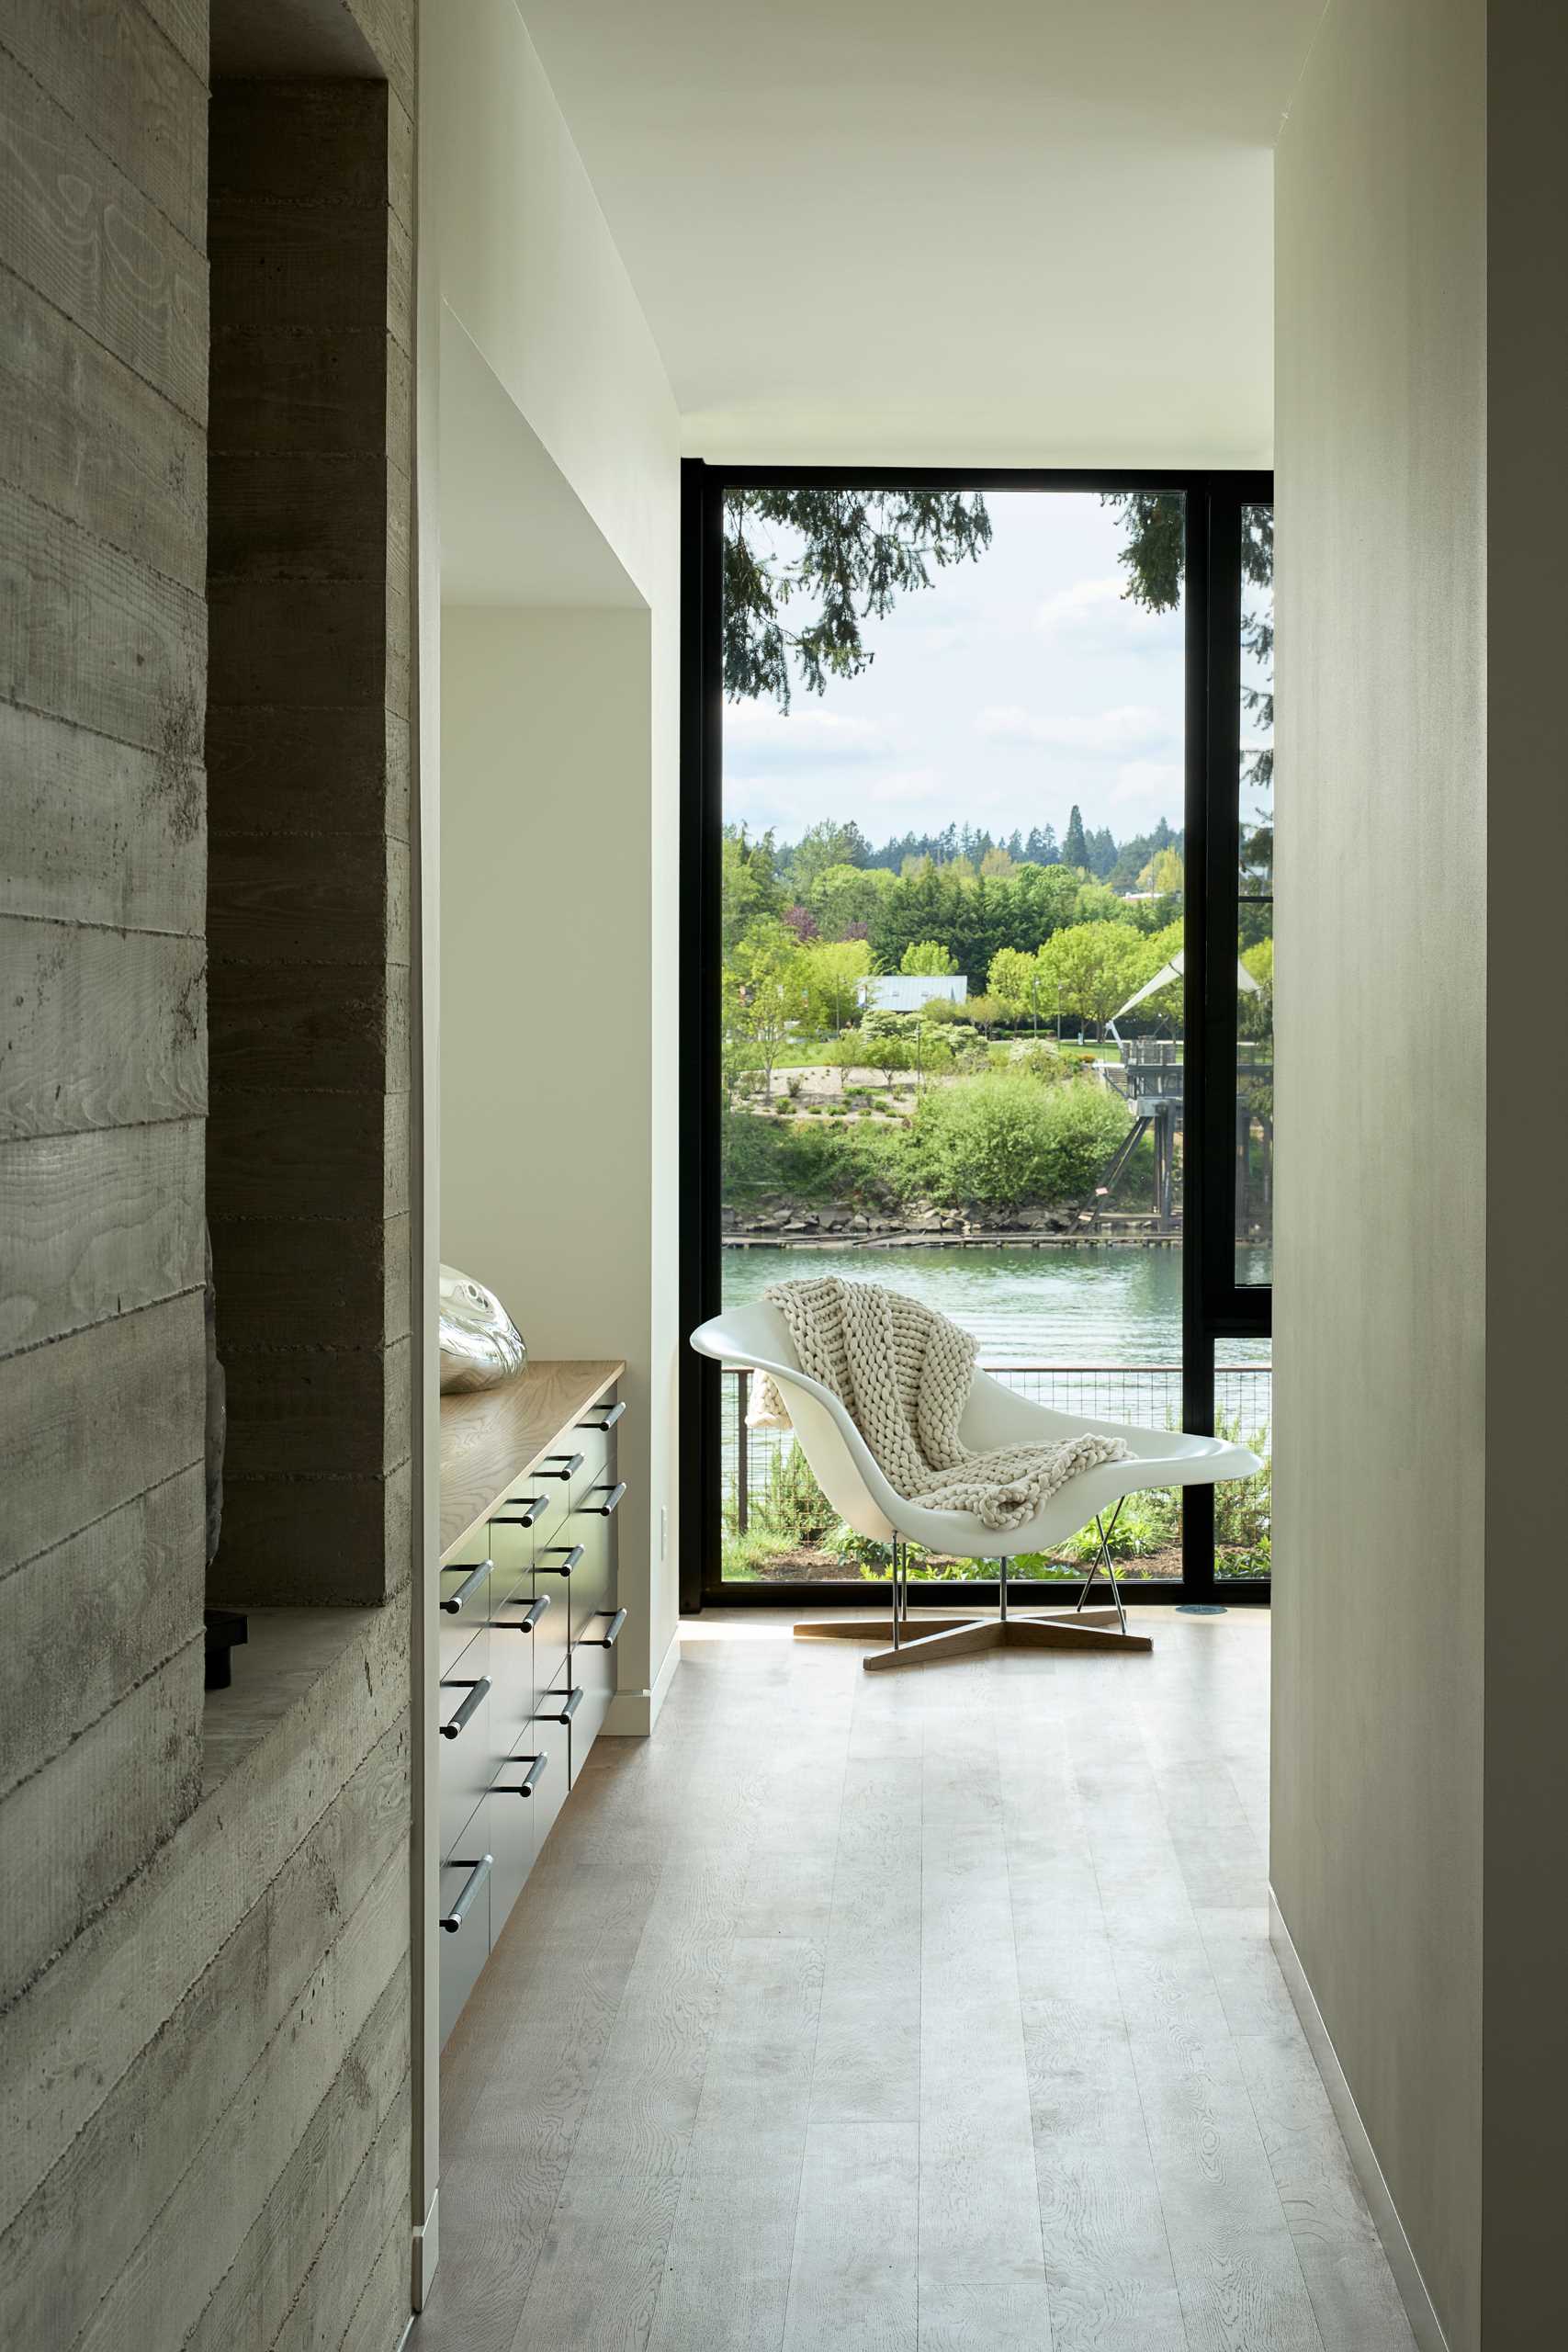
[(1424, 2324), (426, 2253), (633, 1713)]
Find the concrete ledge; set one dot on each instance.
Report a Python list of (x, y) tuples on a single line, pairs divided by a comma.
[(633, 1713), (1424, 2324), (285, 1652)]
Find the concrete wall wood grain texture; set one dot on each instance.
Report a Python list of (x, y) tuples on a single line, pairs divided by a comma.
[(307, 558), (205, 2043)]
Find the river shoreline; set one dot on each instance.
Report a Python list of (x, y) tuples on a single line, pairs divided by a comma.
[(803, 1234)]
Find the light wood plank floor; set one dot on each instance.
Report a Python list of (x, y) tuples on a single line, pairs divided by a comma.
[(916, 2013)]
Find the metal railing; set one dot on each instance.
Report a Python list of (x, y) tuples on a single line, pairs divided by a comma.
[(1147, 1393)]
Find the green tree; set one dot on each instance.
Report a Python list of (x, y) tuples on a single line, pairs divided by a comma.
[(1012, 980), (1255, 1015), (749, 882), (1075, 844), (883, 1042), (1006, 1141), (821, 847), (765, 995), (845, 898), (837, 558), (930, 1050), (830, 970), (1040, 900), (1097, 965), (929, 957), (1164, 873)]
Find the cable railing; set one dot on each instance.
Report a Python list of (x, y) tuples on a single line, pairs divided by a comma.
[(1145, 1392)]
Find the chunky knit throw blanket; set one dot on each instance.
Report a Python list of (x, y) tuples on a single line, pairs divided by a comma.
[(903, 1373)]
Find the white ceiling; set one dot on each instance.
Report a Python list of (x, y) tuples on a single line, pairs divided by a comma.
[(513, 529), (1022, 231)]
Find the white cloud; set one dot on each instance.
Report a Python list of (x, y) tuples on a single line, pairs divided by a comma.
[(1130, 729), (1099, 616), (886, 800), (1149, 788), (759, 735)]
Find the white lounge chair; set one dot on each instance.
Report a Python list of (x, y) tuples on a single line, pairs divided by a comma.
[(995, 1416)]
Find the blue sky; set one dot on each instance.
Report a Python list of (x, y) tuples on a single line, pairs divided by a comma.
[(1010, 688)]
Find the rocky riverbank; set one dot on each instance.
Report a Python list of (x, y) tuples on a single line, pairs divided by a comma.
[(776, 1222)]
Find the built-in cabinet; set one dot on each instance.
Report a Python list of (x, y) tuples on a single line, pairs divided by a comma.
[(529, 1617)]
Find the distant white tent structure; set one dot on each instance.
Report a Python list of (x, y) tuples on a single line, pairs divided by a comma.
[(1246, 986)]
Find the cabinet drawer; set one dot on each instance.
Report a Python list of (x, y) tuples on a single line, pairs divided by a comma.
[(593, 1673), (593, 1529), (595, 1437), (521, 1789), (512, 1673), (464, 1899), (553, 1741), (591, 1587), (534, 1509), (556, 1569), (464, 1608), (511, 1552), (466, 1750)]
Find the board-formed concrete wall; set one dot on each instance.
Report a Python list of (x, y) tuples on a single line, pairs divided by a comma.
[(308, 753), (103, 1054), (204, 1949)]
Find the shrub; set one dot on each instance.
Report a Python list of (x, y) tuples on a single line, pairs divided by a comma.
[(1002, 1141), (794, 1508)]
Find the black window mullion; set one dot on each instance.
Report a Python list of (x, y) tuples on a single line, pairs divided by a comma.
[(1216, 1240), (1197, 1169)]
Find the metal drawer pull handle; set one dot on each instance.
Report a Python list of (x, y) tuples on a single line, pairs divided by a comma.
[(558, 1560), (457, 1600), (526, 1623), (478, 1873), (527, 1507), (478, 1692), (571, 1464), (611, 1418), (531, 1778), (609, 1640), (614, 1496), (573, 1701)]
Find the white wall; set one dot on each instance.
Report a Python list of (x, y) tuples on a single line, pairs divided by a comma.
[(1382, 1045), (516, 248), (546, 950)]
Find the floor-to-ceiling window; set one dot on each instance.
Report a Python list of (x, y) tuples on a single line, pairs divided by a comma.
[(945, 745)]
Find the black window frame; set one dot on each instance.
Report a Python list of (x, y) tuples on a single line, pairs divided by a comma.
[(1216, 1306)]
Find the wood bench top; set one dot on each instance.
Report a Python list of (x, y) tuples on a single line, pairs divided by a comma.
[(490, 1439)]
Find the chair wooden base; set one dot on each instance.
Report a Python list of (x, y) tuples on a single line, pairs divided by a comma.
[(1071, 1633), (851, 1628)]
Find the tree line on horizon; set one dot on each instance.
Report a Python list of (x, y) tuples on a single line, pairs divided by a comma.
[(823, 889), (975, 850)]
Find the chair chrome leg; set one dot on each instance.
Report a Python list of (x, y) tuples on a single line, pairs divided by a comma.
[(1103, 1553), (1002, 1588), (898, 1611)]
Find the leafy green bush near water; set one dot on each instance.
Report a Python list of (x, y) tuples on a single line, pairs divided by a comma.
[(1006, 1142), (1006, 1139)]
